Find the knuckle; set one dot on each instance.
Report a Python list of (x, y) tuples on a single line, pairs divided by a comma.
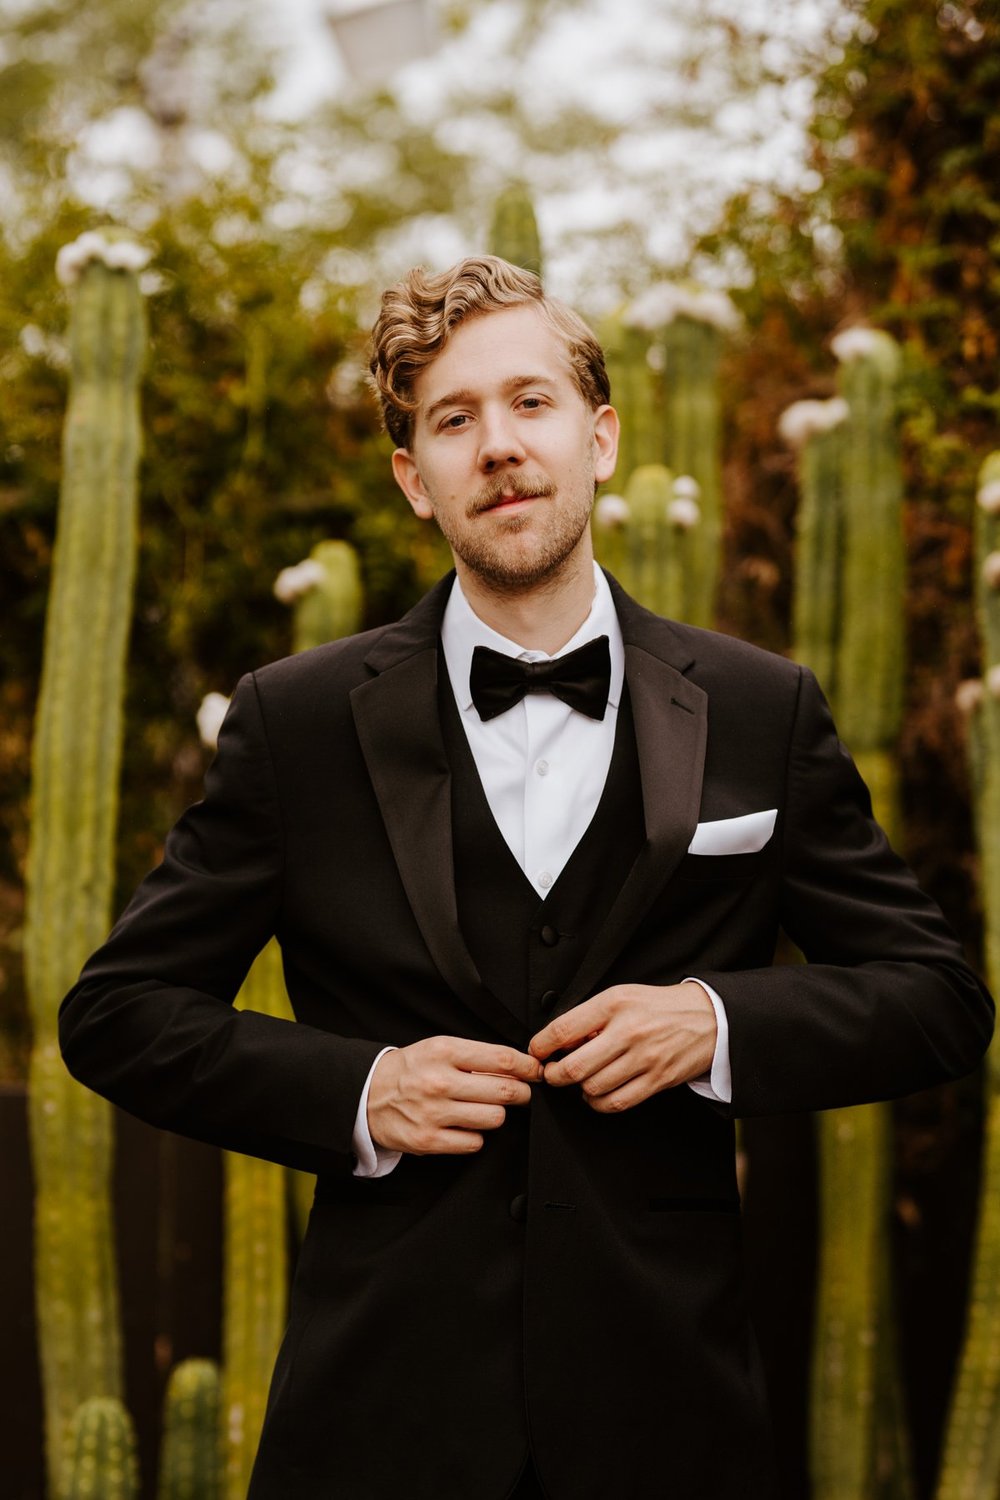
[(508, 1091), (505, 1061)]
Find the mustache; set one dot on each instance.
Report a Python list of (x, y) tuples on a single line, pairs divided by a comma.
[(501, 485)]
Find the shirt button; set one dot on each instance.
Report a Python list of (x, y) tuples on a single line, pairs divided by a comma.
[(549, 936), (542, 767), (549, 999), (519, 1208), (545, 880)]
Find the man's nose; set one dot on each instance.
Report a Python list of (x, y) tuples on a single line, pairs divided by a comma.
[(499, 443)]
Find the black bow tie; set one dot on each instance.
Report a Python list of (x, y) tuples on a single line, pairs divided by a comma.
[(581, 679)]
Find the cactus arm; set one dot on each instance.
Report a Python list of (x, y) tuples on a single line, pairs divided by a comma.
[(514, 232)]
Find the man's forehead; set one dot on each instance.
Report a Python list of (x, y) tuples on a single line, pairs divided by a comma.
[(492, 349)]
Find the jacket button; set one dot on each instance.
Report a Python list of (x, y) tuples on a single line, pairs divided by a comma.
[(519, 1207), (549, 999), (549, 936)]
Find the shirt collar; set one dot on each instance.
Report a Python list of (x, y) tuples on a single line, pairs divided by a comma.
[(462, 631)]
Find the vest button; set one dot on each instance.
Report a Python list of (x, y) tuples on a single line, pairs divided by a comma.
[(549, 936), (519, 1207), (549, 999)]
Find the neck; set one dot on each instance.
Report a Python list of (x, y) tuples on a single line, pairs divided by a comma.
[(541, 616)]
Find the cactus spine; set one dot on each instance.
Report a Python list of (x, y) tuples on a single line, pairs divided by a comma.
[(854, 1379), (970, 1465), (99, 1453), (189, 1459), (514, 231), (75, 769)]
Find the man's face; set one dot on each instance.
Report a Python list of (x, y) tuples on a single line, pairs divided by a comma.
[(505, 452)]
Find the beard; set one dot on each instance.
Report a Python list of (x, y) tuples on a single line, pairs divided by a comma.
[(492, 551)]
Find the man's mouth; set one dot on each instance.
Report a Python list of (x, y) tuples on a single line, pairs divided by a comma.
[(509, 497)]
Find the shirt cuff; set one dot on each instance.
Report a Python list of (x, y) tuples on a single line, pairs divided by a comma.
[(371, 1160), (718, 1084)]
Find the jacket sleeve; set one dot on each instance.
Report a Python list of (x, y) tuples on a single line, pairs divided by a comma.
[(886, 1003), (150, 1023)]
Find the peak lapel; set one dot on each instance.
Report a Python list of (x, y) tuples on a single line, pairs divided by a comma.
[(671, 727), (398, 725)]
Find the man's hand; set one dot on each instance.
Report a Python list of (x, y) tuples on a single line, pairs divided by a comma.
[(629, 1042), (438, 1096)]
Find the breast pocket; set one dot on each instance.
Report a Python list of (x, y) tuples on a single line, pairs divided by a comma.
[(726, 866)]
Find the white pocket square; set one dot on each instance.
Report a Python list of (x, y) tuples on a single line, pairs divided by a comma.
[(734, 835)]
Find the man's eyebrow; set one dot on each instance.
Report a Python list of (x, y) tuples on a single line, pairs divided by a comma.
[(469, 397)]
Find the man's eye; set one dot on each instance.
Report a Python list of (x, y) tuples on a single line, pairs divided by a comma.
[(458, 420), (533, 403)]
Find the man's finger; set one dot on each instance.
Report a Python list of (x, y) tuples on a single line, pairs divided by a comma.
[(569, 1029), (581, 1064), (487, 1057)]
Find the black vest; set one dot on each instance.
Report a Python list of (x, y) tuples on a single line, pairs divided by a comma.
[(526, 947)]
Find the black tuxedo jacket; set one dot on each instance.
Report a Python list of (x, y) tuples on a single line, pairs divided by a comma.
[(435, 1329)]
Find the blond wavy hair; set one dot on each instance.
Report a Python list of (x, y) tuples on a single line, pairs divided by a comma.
[(420, 313)]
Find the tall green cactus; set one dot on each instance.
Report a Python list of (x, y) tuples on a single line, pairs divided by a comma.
[(850, 520), (190, 1455), (646, 538), (634, 365), (99, 1459), (816, 430), (686, 327), (75, 770), (514, 231), (255, 1266), (970, 1465)]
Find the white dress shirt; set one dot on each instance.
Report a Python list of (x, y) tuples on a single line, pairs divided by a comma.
[(543, 766)]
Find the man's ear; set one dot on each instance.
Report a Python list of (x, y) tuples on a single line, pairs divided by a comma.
[(607, 430), (407, 476)]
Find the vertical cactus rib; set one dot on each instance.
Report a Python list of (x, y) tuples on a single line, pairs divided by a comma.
[(970, 1465), (190, 1455), (514, 230), (99, 1459), (75, 769)]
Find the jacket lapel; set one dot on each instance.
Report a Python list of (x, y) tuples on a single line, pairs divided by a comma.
[(671, 727), (399, 729)]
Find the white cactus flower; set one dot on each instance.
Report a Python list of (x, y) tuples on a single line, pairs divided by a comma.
[(661, 304), (805, 419), (292, 583), (118, 255), (684, 512), (686, 487), (610, 512), (209, 717), (856, 343), (991, 571), (993, 681), (988, 498), (969, 695)]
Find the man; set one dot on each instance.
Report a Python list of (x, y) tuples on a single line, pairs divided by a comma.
[(527, 852)]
